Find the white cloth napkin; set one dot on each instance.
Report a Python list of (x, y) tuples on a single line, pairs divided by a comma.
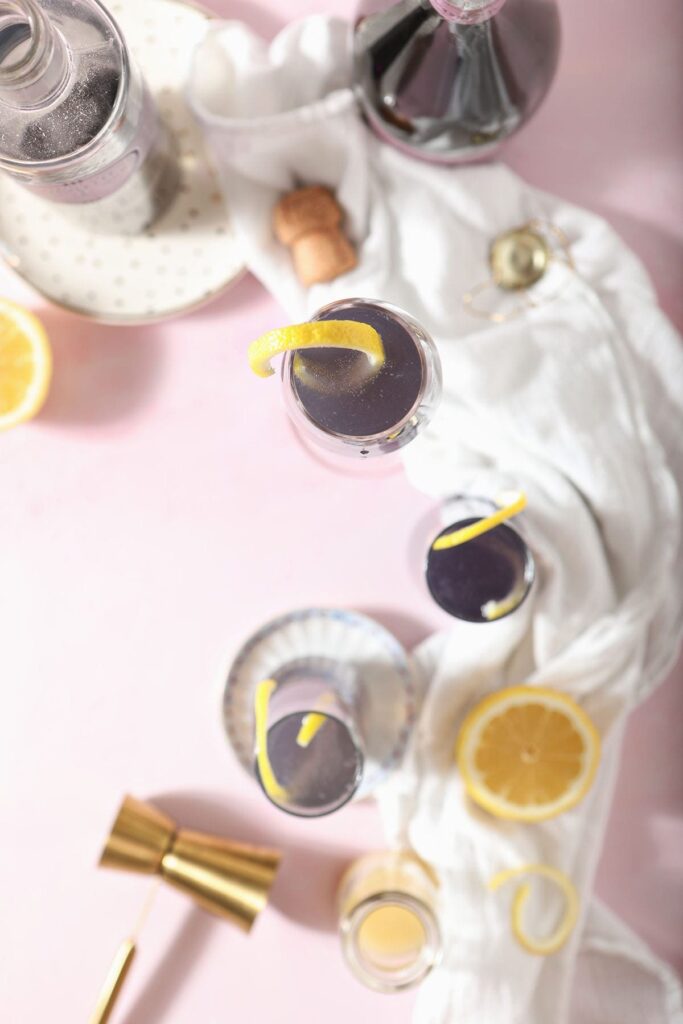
[(578, 402)]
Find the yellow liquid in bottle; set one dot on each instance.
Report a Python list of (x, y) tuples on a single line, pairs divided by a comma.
[(391, 937)]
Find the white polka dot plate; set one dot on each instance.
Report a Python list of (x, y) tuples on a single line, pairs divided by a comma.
[(187, 257)]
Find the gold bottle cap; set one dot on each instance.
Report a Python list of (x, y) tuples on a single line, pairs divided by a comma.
[(519, 258)]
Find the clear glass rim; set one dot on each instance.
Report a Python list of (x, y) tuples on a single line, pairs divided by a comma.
[(529, 576), (16, 74), (360, 767), (416, 332), (426, 960)]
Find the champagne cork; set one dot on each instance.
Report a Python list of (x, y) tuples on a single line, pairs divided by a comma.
[(308, 221)]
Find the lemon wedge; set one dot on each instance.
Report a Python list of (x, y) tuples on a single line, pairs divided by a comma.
[(262, 696), (528, 753), (25, 364), (541, 947), (349, 334), (512, 507)]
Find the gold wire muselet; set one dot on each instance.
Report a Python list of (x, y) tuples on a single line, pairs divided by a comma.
[(519, 258)]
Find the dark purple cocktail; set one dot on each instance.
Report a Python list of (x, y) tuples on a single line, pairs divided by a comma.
[(343, 404), (485, 578)]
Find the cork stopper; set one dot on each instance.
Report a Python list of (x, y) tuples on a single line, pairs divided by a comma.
[(308, 221)]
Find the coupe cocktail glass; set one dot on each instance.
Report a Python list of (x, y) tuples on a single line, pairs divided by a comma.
[(485, 578), (340, 403), (387, 920)]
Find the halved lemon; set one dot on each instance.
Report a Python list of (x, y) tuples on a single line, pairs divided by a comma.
[(528, 753), (550, 944), (350, 334), (25, 364)]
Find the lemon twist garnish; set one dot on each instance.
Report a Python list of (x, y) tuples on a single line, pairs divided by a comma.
[(264, 690), (541, 947), (512, 507), (310, 726), (493, 610), (25, 364), (349, 334)]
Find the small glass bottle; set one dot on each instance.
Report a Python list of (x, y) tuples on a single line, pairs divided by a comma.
[(387, 919), (77, 123), (448, 80)]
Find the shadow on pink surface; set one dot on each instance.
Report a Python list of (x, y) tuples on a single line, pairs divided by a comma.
[(660, 251), (407, 629), (309, 873), (245, 294), (101, 374), (186, 948), (304, 890)]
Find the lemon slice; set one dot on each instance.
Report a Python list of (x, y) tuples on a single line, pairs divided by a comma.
[(513, 506), (528, 753), (541, 947), (348, 334), (262, 696), (25, 364)]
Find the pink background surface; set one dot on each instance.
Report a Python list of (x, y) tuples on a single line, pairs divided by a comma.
[(158, 511)]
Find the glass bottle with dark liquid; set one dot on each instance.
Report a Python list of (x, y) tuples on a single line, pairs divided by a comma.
[(448, 80), (485, 578), (78, 125), (340, 403)]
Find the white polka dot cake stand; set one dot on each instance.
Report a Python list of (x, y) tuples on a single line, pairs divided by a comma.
[(187, 257), (383, 697)]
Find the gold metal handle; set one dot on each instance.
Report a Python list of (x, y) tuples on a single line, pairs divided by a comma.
[(114, 982), (121, 963)]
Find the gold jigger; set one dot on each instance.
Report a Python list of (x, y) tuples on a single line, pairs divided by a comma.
[(226, 878), (232, 880)]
